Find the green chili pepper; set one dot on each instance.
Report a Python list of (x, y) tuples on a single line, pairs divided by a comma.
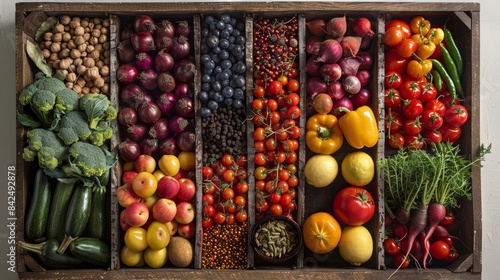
[(437, 80), (445, 76), (451, 68), (453, 49)]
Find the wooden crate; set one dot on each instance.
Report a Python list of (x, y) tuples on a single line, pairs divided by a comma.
[(465, 27)]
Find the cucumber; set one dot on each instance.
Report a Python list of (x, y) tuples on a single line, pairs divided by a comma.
[(37, 216), (91, 250), (97, 220), (58, 208), (77, 216), (47, 252)]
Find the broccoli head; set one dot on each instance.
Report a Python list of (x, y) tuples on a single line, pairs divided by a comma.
[(73, 127), (67, 100), (45, 145), (97, 107), (86, 160), (101, 133)]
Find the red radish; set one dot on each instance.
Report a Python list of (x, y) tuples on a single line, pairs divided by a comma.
[(317, 27), (402, 216), (436, 213), (418, 223)]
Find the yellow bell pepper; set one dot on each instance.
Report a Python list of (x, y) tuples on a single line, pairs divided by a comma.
[(435, 35), (419, 25), (418, 68), (323, 134), (360, 127), (425, 49)]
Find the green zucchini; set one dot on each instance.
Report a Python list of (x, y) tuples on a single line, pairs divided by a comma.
[(78, 214), (97, 220), (37, 216), (91, 250), (48, 254), (58, 208)]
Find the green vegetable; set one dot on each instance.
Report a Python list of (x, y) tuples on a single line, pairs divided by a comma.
[(445, 76), (48, 254), (101, 133), (451, 68), (97, 220), (77, 216), (91, 250), (437, 80), (58, 208), (47, 146), (453, 49), (97, 107), (73, 127), (36, 55), (87, 160), (38, 212), (49, 99)]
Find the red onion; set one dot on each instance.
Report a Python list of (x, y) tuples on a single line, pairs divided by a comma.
[(168, 146), (182, 28), (317, 26), (349, 66), (366, 60), (147, 98), (182, 90), (364, 77), (366, 42), (136, 132), (336, 27), (315, 85), (165, 29), (350, 45), (312, 66), (159, 129), (132, 93), (163, 42), (149, 112), (186, 141), (148, 79), (125, 33), (142, 41), (166, 103), (127, 116), (143, 61), (184, 106), (144, 23), (127, 74), (362, 27), (335, 90), (363, 97), (340, 104), (331, 72), (149, 146), (178, 123), (184, 70), (129, 150), (351, 84), (126, 52), (163, 61), (180, 48), (330, 51), (166, 82), (312, 44)]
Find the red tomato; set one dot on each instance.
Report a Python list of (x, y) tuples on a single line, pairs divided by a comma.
[(241, 216), (410, 90), (219, 218), (285, 199), (207, 222), (259, 91), (392, 246), (274, 88), (207, 172), (412, 126), (406, 47), (276, 209), (450, 133), (208, 199), (393, 36), (393, 122), (394, 62), (400, 231), (353, 206), (447, 100), (428, 92), (401, 261), (436, 106), (431, 120), (230, 219), (412, 108), (275, 197), (227, 159), (293, 85), (440, 250), (396, 140), (453, 255), (392, 98), (261, 206), (456, 115), (401, 24), (414, 142), (209, 210), (392, 79), (432, 136), (242, 187), (448, 219)]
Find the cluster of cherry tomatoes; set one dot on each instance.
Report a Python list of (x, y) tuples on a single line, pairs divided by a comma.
[(417, 113), (225, 188)]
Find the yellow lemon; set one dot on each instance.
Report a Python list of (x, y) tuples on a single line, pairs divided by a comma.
[(321, 170), (358, 169), (355, 245)]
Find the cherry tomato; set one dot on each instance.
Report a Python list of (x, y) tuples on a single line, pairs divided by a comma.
[(227, 160), (228, 193), (270, 186), (406, 47), (241, 216), (274, 88), (290, 207), (293, 85), (259, 91), (230, 219), (260, 158), (393, 36), (209, 210), (392, 246), (412, 108), (432, 136), (242, 187), (261, 206), (259, 134), (291, 157), (393, 122), (285, 199), (401, 261), (392, 79), (293, 181), (209, 188), (394, 62), (292, 99), (450, 133), (207, 172), (272, 104), (431, 120), (436, 106), (412, 126), (275, 197), (440, 250), (414, 142), (392, 98), (448, 219), (219, 218), (208, 199), (396, 140), (405, 27), (276, 209), (456, 115), (410, 90), (207, 222), (453, 255)]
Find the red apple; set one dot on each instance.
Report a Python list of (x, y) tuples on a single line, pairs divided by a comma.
[(148, 222), (168, 187), (164, 210), (181, 174), (150, 200), (172, 226), (125, 195), (187, 189), (186, 230), (136, 214), (123, 223), (145, 163), (185, 212), (128, 177)]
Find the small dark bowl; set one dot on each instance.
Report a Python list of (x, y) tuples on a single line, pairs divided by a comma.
[(293, 225)]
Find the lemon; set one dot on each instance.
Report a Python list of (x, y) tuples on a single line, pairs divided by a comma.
[(355, 245), (321, 170), (358, 169)]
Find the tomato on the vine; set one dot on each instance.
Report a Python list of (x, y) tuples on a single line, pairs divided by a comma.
[(274, 88), (207, 172), (412, 126), (393, 122), (276, 209), (436, 106), (219, 217), (275, 197), (208, 199), (396, 140), (261, 206), (293, 85), (392, 79), (440, 250), (428, 92), (241, 216), (431, 120), (392, 246), (207, 222), (414, 142), (242, 187), (209, 210), (259, 91), (227, 160)]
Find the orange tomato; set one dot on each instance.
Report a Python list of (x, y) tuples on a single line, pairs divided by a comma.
[(321, 233)]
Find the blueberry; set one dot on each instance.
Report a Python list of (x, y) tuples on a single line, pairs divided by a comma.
[(209, 19), (224, 54), (205, 112), (239, 94), (220, 25), (203, 96), (224, 44), (212, 105), (218, 97), (237, 104), (212, 41), (228, 101), (205, 78), (228, 92)]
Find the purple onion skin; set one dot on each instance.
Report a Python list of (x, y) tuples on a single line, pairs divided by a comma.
[(127, 116), (364, 77), (186, 141), (129, 150), (149, 146), (168, 146), (166, 102), (312, 66), (126, 52), (180, 48), (184, 106), (344, 102), (127, 74), (160, 129), (136, 132), (363, 97), (163, 61), (330, 51), (166, 82), (366, 60), (132, 93), (336, 90), (143, 61), (351, 84), (315, 85), (149, 112), (178, 123), (349, 66), (148, 79), (182, 90)]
